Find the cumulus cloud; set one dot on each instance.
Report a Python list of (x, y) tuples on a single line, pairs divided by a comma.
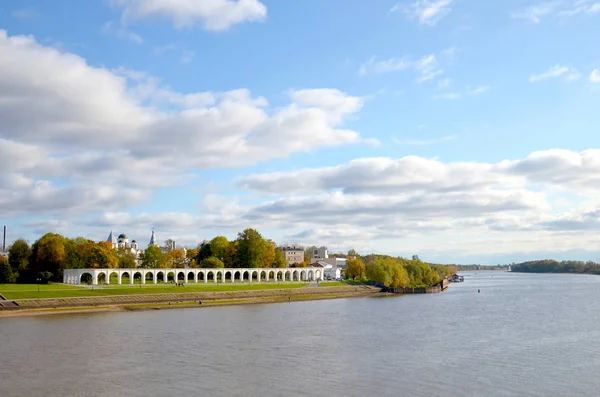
[(212, 14), (63, 118), (427, 12), (414, 196)]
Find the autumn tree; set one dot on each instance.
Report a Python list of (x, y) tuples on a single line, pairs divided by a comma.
[(355, 269), (18, 257), (175, 259), (103, 256), (231, 255), (152, 257), (212, 263), (279, 259)]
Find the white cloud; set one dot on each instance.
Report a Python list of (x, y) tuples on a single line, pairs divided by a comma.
[(427, 12), (25, 13), (553, 72), (479, 90), (127, 130), (595, 76), (213, 14), (121, 32), (535, 12), (557, 9), (426, 67)]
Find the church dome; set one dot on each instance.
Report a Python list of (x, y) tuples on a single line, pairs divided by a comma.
[(123, 236)]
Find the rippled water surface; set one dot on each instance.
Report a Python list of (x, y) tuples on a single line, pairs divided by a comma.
[(523, 335)]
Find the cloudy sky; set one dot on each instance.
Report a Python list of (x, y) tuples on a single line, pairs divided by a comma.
[(464, 131)]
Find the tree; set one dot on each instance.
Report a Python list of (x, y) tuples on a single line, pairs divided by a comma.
[(126, 259), (352, 253), (268, 253), (175, 259), (204, 251), (279, 259), (308, 253), (18, 257), (169, 245), (355, 269), (218, 246), (191, 254), (213, 263), (48, 255), (253, 250), (415, 258), (152, 257), (103, 256), (6, 274), (231, 256)]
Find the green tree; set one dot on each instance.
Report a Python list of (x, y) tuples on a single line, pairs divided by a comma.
[(152, 257), (252, 249), (48, 255), (213, 263), (352, 253), (279, 259), (18, 257), (204, 251), (355, 269), (218, 246), (6, 274), (125, 258)]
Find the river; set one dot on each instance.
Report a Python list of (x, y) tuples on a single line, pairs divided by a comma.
[(522, 335)]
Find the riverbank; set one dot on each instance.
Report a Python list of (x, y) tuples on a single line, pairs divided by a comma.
[(28, 307)]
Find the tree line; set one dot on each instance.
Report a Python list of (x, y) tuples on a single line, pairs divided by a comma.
[(552, 266), (397, 272), (52, 253)]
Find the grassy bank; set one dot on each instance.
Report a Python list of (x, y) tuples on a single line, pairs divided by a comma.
[(30, 291)]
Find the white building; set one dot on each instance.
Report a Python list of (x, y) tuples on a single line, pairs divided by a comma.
[(330, 272), (122, 242)]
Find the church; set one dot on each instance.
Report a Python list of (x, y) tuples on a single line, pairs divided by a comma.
[(123, 242)]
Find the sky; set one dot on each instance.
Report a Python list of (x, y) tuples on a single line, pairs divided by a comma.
[(462, 131)]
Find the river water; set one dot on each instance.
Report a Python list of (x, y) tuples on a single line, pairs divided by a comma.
[(523, 335)]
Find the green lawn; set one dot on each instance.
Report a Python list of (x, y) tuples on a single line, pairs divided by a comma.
[(333, 283), (30, 291)]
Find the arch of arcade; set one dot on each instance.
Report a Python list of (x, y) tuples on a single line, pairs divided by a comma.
[(74, 276)]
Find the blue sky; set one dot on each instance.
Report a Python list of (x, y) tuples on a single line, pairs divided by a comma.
[(460, 130)]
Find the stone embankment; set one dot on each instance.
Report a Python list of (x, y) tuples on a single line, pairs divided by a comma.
[(121, 300)]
